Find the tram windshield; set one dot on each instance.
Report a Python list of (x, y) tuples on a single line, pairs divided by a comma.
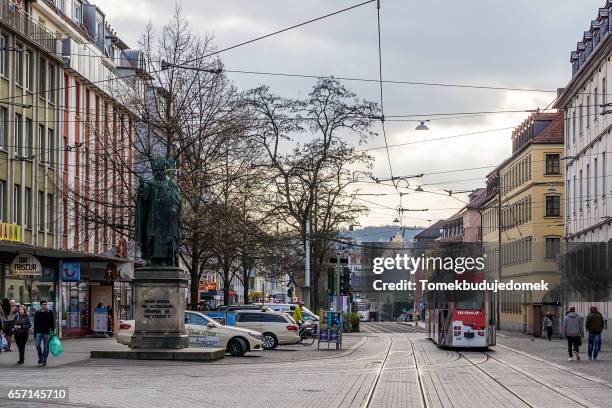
[(469, 300)]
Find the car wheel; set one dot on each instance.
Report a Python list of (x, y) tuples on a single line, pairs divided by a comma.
[(236, 347), (269, 341)]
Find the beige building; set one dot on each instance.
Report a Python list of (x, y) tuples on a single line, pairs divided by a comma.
[(528, 222)]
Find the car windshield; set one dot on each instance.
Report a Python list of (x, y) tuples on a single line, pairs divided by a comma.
[(206, 318)]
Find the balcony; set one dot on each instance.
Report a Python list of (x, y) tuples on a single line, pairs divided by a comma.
[(23, 23)]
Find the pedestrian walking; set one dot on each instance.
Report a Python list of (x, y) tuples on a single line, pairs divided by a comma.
[(44, 322), (594, 325), (9, 330), (22, 331), (548, 326), (573, 329)]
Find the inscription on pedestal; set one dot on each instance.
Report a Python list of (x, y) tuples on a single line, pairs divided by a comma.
[(158, 309)]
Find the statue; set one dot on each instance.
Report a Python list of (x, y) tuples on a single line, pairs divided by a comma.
[(158, 217)]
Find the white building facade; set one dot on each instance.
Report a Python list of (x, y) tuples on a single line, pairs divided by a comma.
[(588, 161)]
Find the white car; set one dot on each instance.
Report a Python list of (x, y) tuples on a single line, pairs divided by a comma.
[(276, 327), (205, 332)]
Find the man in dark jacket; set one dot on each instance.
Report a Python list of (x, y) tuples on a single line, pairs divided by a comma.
[(594, 325), (44, 322), (573, 329)]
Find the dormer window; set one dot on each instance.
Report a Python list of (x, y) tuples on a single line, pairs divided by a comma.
[(77, 12)]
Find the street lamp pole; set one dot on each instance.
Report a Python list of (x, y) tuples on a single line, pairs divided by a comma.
[(337, 285), (306, 289)]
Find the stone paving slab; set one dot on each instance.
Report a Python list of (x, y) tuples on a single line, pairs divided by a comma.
[(555, 352)]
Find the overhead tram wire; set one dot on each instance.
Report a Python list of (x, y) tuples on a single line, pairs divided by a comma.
[(210, 53), (181, 65), (382, 108)]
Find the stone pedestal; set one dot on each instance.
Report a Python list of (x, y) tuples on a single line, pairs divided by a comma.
[(159, 314)]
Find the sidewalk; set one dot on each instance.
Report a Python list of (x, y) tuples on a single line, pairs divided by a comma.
[(420, 324), (555, 351), (73, 350)]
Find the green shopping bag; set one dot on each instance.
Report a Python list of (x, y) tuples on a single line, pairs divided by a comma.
[(55, 345)]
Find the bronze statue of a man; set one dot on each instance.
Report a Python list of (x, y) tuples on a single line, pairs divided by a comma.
[(158, 217)]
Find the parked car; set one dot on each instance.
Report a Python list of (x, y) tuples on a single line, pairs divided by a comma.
[(276, 327), (205, 332), (233, 308)]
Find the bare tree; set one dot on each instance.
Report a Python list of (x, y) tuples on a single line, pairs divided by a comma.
[(313, 178)]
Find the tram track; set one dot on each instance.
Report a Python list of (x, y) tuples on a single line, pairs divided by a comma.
[(370, 395), (558, 367), (545, 384)]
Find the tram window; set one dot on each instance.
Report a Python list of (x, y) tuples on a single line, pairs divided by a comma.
[(469, 300)]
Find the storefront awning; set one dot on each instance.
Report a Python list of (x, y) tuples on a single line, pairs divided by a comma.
[(19, 248)]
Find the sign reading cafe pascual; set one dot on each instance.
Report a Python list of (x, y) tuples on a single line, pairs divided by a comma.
[(26, 265)]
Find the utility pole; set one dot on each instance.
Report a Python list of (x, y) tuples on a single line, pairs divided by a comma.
[(306, 288), (499, 254)]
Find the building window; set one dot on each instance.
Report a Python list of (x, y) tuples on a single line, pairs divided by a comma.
[(2, 197), (596, 104), (19, 64), (588, 185), (604, 97), (50, 145), (553, 164), (41, 211), (568, 202), (51, 83), (3, 55), (27, 140), (17, 135), (581, 118), (553, 208), (29, 67), (588, 111), (574, 126), (553, 247), (40, 143), (595, 181), (50, 213), (28, 207), (16, 204), (3, 126), (575, 196), (77, 11), (604, 170), (42, 78)]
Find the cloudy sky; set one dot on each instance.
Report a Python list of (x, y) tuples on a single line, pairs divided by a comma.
[(513, 44)]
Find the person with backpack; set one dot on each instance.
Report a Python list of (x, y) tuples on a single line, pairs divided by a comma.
[(22, 325), (44, 323), (594, 325), (573, 329), (548, 326)]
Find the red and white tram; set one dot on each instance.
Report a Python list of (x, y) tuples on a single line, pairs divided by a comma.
[(462, 318)]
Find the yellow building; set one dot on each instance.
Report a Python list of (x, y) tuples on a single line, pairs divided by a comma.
[(529, 221)]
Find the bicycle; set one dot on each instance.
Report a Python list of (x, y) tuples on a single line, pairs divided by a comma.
[(307, 335)]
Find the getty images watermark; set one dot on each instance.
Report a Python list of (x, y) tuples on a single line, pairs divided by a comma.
[(457, 265)]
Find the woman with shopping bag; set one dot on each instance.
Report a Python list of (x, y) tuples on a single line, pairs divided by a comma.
[(22, 325)]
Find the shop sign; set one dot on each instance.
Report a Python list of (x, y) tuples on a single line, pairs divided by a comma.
[(10, 232), (70, 271), (26, 265), (47, 275)]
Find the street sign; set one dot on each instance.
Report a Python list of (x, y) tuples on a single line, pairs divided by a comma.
[(26, 265)]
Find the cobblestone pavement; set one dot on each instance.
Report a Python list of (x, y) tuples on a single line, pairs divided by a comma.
[(387, 365)]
